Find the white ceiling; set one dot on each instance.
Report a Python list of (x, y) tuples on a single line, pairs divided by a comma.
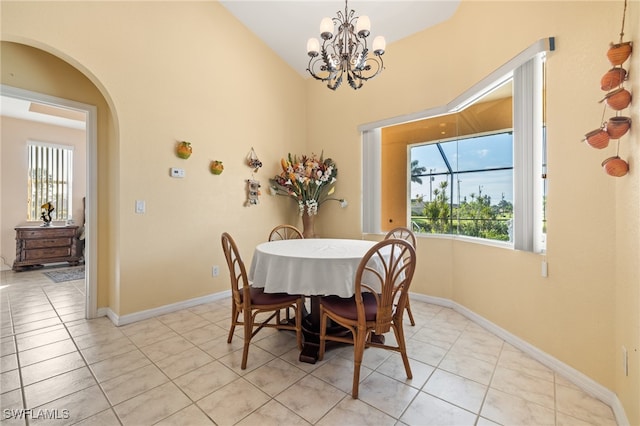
[(285, 26), (49, 114)]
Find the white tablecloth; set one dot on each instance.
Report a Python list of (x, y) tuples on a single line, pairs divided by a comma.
[(314, 266)]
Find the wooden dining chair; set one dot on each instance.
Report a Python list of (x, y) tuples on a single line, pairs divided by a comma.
[(381, 285), (285, 232), (407, 235), (247, 302)]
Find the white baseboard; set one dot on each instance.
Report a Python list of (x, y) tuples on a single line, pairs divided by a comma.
[(579, 379), (160, 310)]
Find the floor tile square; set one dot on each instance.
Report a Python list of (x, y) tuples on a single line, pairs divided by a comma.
[(231, 403), (166, 400), (310, 398)]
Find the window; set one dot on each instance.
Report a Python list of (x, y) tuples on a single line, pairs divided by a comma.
[(50, 180), (463, 187), (390, 198)]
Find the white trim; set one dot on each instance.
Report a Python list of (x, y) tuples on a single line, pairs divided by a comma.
[(478, 90), (91, 214), (165, 309), (579, 379)]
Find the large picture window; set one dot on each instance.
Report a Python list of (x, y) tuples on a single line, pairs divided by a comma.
[(463, 187), (475, 167), (50, 179)]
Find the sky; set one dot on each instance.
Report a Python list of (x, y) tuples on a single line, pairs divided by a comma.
[(477, 153)]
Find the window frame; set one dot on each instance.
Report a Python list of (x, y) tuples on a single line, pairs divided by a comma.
[(454, 175), (67, 196), (526, 71)]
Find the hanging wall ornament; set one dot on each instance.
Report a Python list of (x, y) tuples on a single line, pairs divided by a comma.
[(618, 126), (253, 161), (216, 167), (253, 192), (618, 98), (183, 149), (613, 78), (615, 166), (618, 53), (598, 138)]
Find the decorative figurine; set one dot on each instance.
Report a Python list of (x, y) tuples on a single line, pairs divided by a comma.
[(253, 192), (46, 213)]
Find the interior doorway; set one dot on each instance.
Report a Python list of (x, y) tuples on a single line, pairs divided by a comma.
[(57, 108)]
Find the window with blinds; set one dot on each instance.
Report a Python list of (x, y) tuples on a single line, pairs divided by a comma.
[(50, 180)]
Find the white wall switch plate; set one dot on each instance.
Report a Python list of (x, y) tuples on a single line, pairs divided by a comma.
[(140, 206)]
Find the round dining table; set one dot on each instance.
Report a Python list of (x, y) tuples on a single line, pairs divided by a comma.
[(312, 267)]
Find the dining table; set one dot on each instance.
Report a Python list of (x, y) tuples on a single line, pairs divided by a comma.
[(313, 267)]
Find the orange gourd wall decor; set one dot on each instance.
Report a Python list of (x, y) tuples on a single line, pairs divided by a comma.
[(184, 150), (617, 99)]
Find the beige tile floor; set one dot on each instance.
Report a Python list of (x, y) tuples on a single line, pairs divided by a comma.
[(177, 369)]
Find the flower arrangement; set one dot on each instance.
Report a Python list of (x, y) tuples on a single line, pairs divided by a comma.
[(308, 179)]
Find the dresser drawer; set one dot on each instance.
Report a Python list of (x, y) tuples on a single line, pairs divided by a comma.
[(28, 234), (47, 242), (47, 253)]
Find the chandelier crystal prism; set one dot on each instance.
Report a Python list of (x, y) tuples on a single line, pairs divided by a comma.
[(345, 53)]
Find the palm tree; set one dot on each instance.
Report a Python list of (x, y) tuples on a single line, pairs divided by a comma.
[(416, 172)]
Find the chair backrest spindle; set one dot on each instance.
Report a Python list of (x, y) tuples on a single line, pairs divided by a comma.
[(285, 232)]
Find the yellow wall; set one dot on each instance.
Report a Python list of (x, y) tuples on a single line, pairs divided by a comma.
[(588, 306), (163, 68), (168, 71)]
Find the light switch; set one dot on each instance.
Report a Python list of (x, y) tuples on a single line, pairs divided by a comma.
[(140, 206)]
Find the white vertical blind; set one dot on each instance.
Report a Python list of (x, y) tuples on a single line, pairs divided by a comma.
[(50, 179), (371, 180)]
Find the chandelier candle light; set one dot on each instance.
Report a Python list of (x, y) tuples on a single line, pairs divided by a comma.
[(345, 52)]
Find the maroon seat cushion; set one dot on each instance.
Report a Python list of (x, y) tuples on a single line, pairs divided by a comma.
[(347, 307), (259, 297)]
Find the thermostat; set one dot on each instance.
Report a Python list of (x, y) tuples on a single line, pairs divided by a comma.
[(177, 173)]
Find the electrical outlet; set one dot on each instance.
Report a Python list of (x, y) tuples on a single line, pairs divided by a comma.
[(544, 270), (215, 271)]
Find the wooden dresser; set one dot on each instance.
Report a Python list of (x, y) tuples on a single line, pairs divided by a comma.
[(37, 245)]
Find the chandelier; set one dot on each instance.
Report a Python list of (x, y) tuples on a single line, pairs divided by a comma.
[(345, 53)]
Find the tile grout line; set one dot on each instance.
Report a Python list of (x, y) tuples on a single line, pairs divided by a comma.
[(84, 360)]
